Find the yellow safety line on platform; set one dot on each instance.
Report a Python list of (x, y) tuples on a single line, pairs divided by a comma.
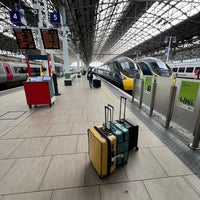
[(106, 94)]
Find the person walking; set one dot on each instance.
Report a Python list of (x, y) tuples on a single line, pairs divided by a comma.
[(90, 77)]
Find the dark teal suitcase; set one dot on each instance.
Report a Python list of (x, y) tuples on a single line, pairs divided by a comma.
[(121, 134)]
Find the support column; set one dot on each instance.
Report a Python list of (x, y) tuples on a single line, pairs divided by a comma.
[(40, 25), (78, 59), (153, 96), (67, 80), (133, 90), (171, 105), (141, 92), (78, 66), (196, 133)]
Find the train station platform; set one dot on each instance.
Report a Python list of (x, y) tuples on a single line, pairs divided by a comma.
[(43, 151)]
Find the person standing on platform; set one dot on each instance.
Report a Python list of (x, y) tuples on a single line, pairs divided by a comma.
[(90, 77)]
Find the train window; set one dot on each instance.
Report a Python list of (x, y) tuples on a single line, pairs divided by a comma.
[(17, 70), (181, 69), (128, 65), (158, 65), (189, 69), (175, 69), (111, 69), (197, 68), (145, 69), (1, 70)]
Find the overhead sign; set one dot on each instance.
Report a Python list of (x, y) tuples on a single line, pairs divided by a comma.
[(25, 38), (55, 18), (50, 38), (17, 17)]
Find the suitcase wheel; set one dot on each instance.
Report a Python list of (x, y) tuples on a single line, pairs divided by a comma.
[(136, 148)]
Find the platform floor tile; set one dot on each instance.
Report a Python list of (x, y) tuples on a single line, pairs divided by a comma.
[(15, 132), (170, 189), (194, 181), (81, 128), (25, 176), (35, 120), (8, 146), (62, 145), (4, 130), (58, 119), (31, 147), (75, 118), (82, 145), (96, 118), (92, 178), (143, 165), (148, 139), (59, 129), (5, 165), (65, 171), (36, 131), (30, 196), (121, 191), (169, 162), (83, 193)]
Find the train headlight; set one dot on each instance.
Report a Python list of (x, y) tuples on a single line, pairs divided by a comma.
[(122, 77)]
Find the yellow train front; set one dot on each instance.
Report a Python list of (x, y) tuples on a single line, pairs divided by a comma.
[(127, 82), (120, 72)]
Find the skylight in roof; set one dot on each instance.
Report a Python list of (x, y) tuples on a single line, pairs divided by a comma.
[(158, 18), (107, 14)]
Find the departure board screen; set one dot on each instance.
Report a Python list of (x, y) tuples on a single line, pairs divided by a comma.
[(50, 38), (25, 38)]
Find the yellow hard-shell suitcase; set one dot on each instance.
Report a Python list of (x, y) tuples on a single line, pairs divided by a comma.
[(102, 150)]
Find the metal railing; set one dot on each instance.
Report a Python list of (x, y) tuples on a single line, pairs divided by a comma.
[(176, 100)]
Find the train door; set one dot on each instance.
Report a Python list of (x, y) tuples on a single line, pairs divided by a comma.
[(8, 71)]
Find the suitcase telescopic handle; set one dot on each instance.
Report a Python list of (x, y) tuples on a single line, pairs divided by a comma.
[(112, 111), (107, 109), (120, 107)]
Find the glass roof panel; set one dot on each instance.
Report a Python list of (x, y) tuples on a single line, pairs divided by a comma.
[(158, 18), (108, 11)]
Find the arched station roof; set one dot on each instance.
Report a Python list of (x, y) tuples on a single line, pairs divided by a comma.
[(109, 28)]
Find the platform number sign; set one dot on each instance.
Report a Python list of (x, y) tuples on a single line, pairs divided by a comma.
[(55, 18), (17, 18)]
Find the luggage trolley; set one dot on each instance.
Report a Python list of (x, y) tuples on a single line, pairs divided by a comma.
[(39, 90)]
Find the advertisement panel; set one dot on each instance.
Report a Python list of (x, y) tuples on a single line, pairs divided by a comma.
[(188, 95)]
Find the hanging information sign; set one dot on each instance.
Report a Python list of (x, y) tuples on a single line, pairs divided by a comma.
[(25, 38), (50, 38)]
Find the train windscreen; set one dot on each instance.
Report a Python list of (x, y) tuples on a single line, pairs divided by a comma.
[(129, 68), (161, 68), (159, 65)]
